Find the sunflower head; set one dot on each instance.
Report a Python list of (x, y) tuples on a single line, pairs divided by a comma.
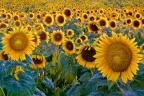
[(3, 56), (70, 33), (92, 27), (39, 61), (78, 40), (16, 72), (18, 43), (67, 12), (85, 56), (44, 35), (136, 23), (84, 38), (68, 46), (142, 48), (117, 57), (57, 37), (48, 20), (60, 19)]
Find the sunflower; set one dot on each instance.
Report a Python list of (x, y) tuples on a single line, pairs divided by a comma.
[(142, 59), (78, 40), (39, 61), (92, 27), (138, 15), (129, 21), (103, 22), (91, 18), (142, 48), (36, 39), (84, 38), (70, 33), (60, 19), (31, 15), (57, 37), (117, 56), (39, 27), (136, 24), (85, 56), (44, 35), (3, 56), (142, 21), (67, 12), (17, 23), (84, 16), (17, 44), (16, 72), (48, 20), (112, 24), (68, 46)]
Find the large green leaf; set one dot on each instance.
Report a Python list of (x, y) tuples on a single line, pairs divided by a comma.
[(1, 92), (48, 83), (25, 86)]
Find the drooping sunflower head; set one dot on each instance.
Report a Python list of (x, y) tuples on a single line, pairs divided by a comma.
[(17, 44), (3, 56), (39, 61), (48, 20), (57, 37), (85, 56), (60, 19), (44, 35), (70, 33), (68, 46), (17, 70), (117, 57), (92, 27)]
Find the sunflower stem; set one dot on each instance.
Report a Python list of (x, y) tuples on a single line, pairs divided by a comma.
[(120, 89)]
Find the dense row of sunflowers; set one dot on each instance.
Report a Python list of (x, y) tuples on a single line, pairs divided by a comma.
[(51, 41)]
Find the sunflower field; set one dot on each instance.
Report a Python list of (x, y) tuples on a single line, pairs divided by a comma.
[(72, 48)]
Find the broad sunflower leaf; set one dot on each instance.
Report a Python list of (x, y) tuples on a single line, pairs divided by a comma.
[(64, 61), (25, 86), (96, 93), (38, 93), (48, 82), (110, 84)]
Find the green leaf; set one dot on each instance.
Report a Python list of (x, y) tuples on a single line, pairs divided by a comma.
[(115, 94), (85, 76), (24, 87), (38, 93), (48, 82), (96, 93), (64, 61), (110, 84), (1, 92)]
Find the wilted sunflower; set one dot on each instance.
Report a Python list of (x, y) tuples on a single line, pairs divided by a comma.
[(70, 33), (48, 20), (3, 56), (60, 19), (92, 27), (68, 46), (44, 35), (57, 37), (85, 56), (117, 56), (17, 44), (39, 62), (16, 72)]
